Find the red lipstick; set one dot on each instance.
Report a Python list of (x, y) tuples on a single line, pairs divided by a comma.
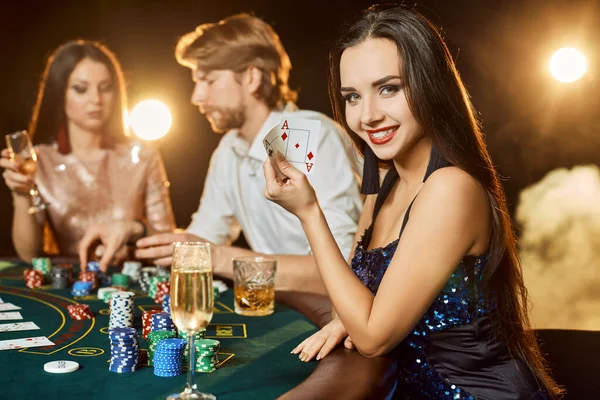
[(382, 139)]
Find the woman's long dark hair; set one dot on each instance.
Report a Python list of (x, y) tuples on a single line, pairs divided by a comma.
[(48, 117), (439, 102)]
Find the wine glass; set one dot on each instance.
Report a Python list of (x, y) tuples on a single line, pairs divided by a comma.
[(21, 150), (192, 301)]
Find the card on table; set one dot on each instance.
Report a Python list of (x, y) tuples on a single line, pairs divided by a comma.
[(12, 344), (8, 307), (18, 326), (10, 315), (297, 139)]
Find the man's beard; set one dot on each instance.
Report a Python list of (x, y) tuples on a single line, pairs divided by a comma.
[(229, 118)]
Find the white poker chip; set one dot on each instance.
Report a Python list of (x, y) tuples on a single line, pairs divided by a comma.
[(222, 286), (61, 367)]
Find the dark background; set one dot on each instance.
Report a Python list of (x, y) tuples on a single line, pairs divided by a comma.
[(533, 123)]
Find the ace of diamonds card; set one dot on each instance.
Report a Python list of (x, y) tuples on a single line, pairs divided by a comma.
[(297, 139)]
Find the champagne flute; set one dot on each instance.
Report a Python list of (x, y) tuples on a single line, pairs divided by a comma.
[(20, 148), (192, 302)]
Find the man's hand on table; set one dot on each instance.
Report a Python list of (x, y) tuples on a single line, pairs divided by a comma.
[(159, 248)]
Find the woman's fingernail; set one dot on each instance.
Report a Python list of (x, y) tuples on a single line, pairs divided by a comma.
[(318, 356), (279, 155)]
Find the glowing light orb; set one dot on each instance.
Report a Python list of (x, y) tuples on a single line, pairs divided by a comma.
[(150, 119), (568, 65)]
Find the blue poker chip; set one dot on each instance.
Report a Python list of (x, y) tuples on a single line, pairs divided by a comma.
[(122, 332), (124, 356), (122, 370), (127, 363), (172, 343), (82, 285), (124, 364), (93, 266), (166, 374)]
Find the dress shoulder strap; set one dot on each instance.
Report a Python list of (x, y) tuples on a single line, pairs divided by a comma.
[(386, 187)]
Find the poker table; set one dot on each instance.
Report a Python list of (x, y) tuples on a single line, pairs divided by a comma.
[(255, 359)]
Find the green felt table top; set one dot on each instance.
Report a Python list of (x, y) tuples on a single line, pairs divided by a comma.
[(255, 351)]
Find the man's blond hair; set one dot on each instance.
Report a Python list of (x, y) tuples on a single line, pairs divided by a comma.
[(237, 43)]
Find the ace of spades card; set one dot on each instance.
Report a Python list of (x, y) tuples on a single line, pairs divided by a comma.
[(297, 139)]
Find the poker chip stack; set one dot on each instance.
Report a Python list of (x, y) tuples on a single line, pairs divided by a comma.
[(42, 264), (68, 267), (197, 337), (206, 353), (162, 289), (59, 278), (147, 273), (168, 357), (89, 276), (94, 266), (166, 304), (124, 350), (147, 322), (81, 288), (161, 321), (33, 278), (120, 280), (133, 269), (80, 312), (121, 310), (154, 338), (153, 287)]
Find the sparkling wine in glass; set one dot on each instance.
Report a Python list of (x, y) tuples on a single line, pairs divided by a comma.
[(21, 150), (192, 301)]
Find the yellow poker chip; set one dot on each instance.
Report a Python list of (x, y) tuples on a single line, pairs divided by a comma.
[(61, 367)]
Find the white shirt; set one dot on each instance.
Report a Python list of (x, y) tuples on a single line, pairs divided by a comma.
[(233, 196)]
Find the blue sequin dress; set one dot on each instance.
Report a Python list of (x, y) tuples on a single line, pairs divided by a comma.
[(453, 352)]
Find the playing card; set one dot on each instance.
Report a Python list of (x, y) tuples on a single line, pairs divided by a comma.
[(275, 141), (302, 143), (18, 326), (10, 315), (12, 344), (8, 307), (297, 139)]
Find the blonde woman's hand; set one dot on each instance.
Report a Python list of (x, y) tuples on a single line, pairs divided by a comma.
[(321, 343), (114, 235)]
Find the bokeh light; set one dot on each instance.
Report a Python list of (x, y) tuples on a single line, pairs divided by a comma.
[(568, 64), (150, 119)]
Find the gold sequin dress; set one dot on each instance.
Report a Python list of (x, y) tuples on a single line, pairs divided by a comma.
[(126, 182)]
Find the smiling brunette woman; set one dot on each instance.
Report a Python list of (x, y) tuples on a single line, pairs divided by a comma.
[(435, 279)]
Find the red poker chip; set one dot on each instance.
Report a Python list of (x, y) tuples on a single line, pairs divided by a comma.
[(147, 322), (33, 278), (89, 276), (80, 311)]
